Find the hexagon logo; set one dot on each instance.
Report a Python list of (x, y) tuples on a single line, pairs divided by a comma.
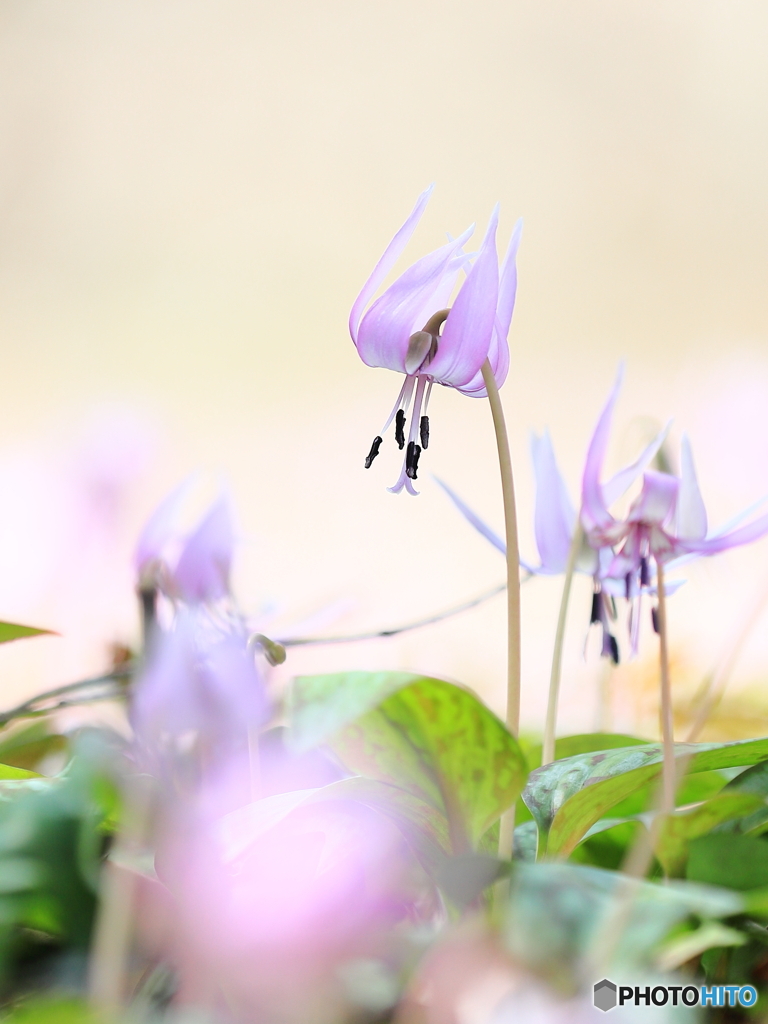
[(604, 996)]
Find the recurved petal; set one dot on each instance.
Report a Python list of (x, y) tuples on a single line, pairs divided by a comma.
[(382, 338), (387, 261), (594, 510), (508, 282), (712, 545), (691, 514), (657, 502), (202, 571), (623, 480), (473, 518), (554, 515), (161, 527), (464, 343)]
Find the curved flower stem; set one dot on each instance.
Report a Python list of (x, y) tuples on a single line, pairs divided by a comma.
[(667, 730), (550, 724), (507, 827)]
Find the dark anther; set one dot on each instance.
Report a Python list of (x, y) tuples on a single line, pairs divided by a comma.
[(614, 649), (628, 585), (645, 576), (594, 615), (613, 613), (655, 619), (412, 459), (373, 452), (424, 431), (400, 429)]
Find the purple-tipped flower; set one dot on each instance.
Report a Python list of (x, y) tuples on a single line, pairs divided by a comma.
[(193, 568), (410, 328), (666, 521), (197, 698), (555, 520)]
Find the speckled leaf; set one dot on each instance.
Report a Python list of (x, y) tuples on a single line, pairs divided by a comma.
[(582, 743), (677, 830), (567, 797), (442, 744), (320, 706)]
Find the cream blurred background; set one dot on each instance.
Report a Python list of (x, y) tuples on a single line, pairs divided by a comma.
[(191, 195)]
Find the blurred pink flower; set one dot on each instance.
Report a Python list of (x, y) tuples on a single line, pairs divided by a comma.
[(273, 897), (196, 568), (196, 700), (411, 330)]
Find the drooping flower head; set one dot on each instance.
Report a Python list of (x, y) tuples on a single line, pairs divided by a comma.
[(555, 522), (193, 567), (412, 329), (197, 699), (665, 522)]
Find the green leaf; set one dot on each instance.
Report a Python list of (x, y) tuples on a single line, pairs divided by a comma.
[(753, 780), (685, 947), (12, 631), (9, 772), (439, 742), (567, 797), (557, 910), (678, 829), (319, 706), (26, 746), (582, 743), (731, 861)]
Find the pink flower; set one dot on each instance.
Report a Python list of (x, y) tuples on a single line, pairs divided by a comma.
[(194, 568), (273, 897), (411, 329)]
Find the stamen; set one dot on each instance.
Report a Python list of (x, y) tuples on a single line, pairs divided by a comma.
[(628, 585), (373, 452), (400, 429), (614, 648), (645, 576), (595, 615), (412, 460), (655, 619), (424, 431)]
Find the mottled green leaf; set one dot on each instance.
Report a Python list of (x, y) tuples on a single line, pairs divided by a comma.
[(682, 948), (557, 910), (567, 797), (439, 742), (319, 706), (582, 743), (26, 746), (678, 829), (12, 631)]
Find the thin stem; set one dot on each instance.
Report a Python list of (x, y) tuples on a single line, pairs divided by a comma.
[(377, 633), (507, 824), (667, 732), (550, 724), (513, 554)]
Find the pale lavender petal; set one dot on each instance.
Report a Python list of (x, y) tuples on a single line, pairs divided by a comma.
[(473, 518), (712, 545), (382, 338), (623, 480), (594, 511), (202, 572), (657, 501), (161, 527), (554, 515), (736, 520), (463, 345), (387, 261), (508, 282), (691, 514)]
